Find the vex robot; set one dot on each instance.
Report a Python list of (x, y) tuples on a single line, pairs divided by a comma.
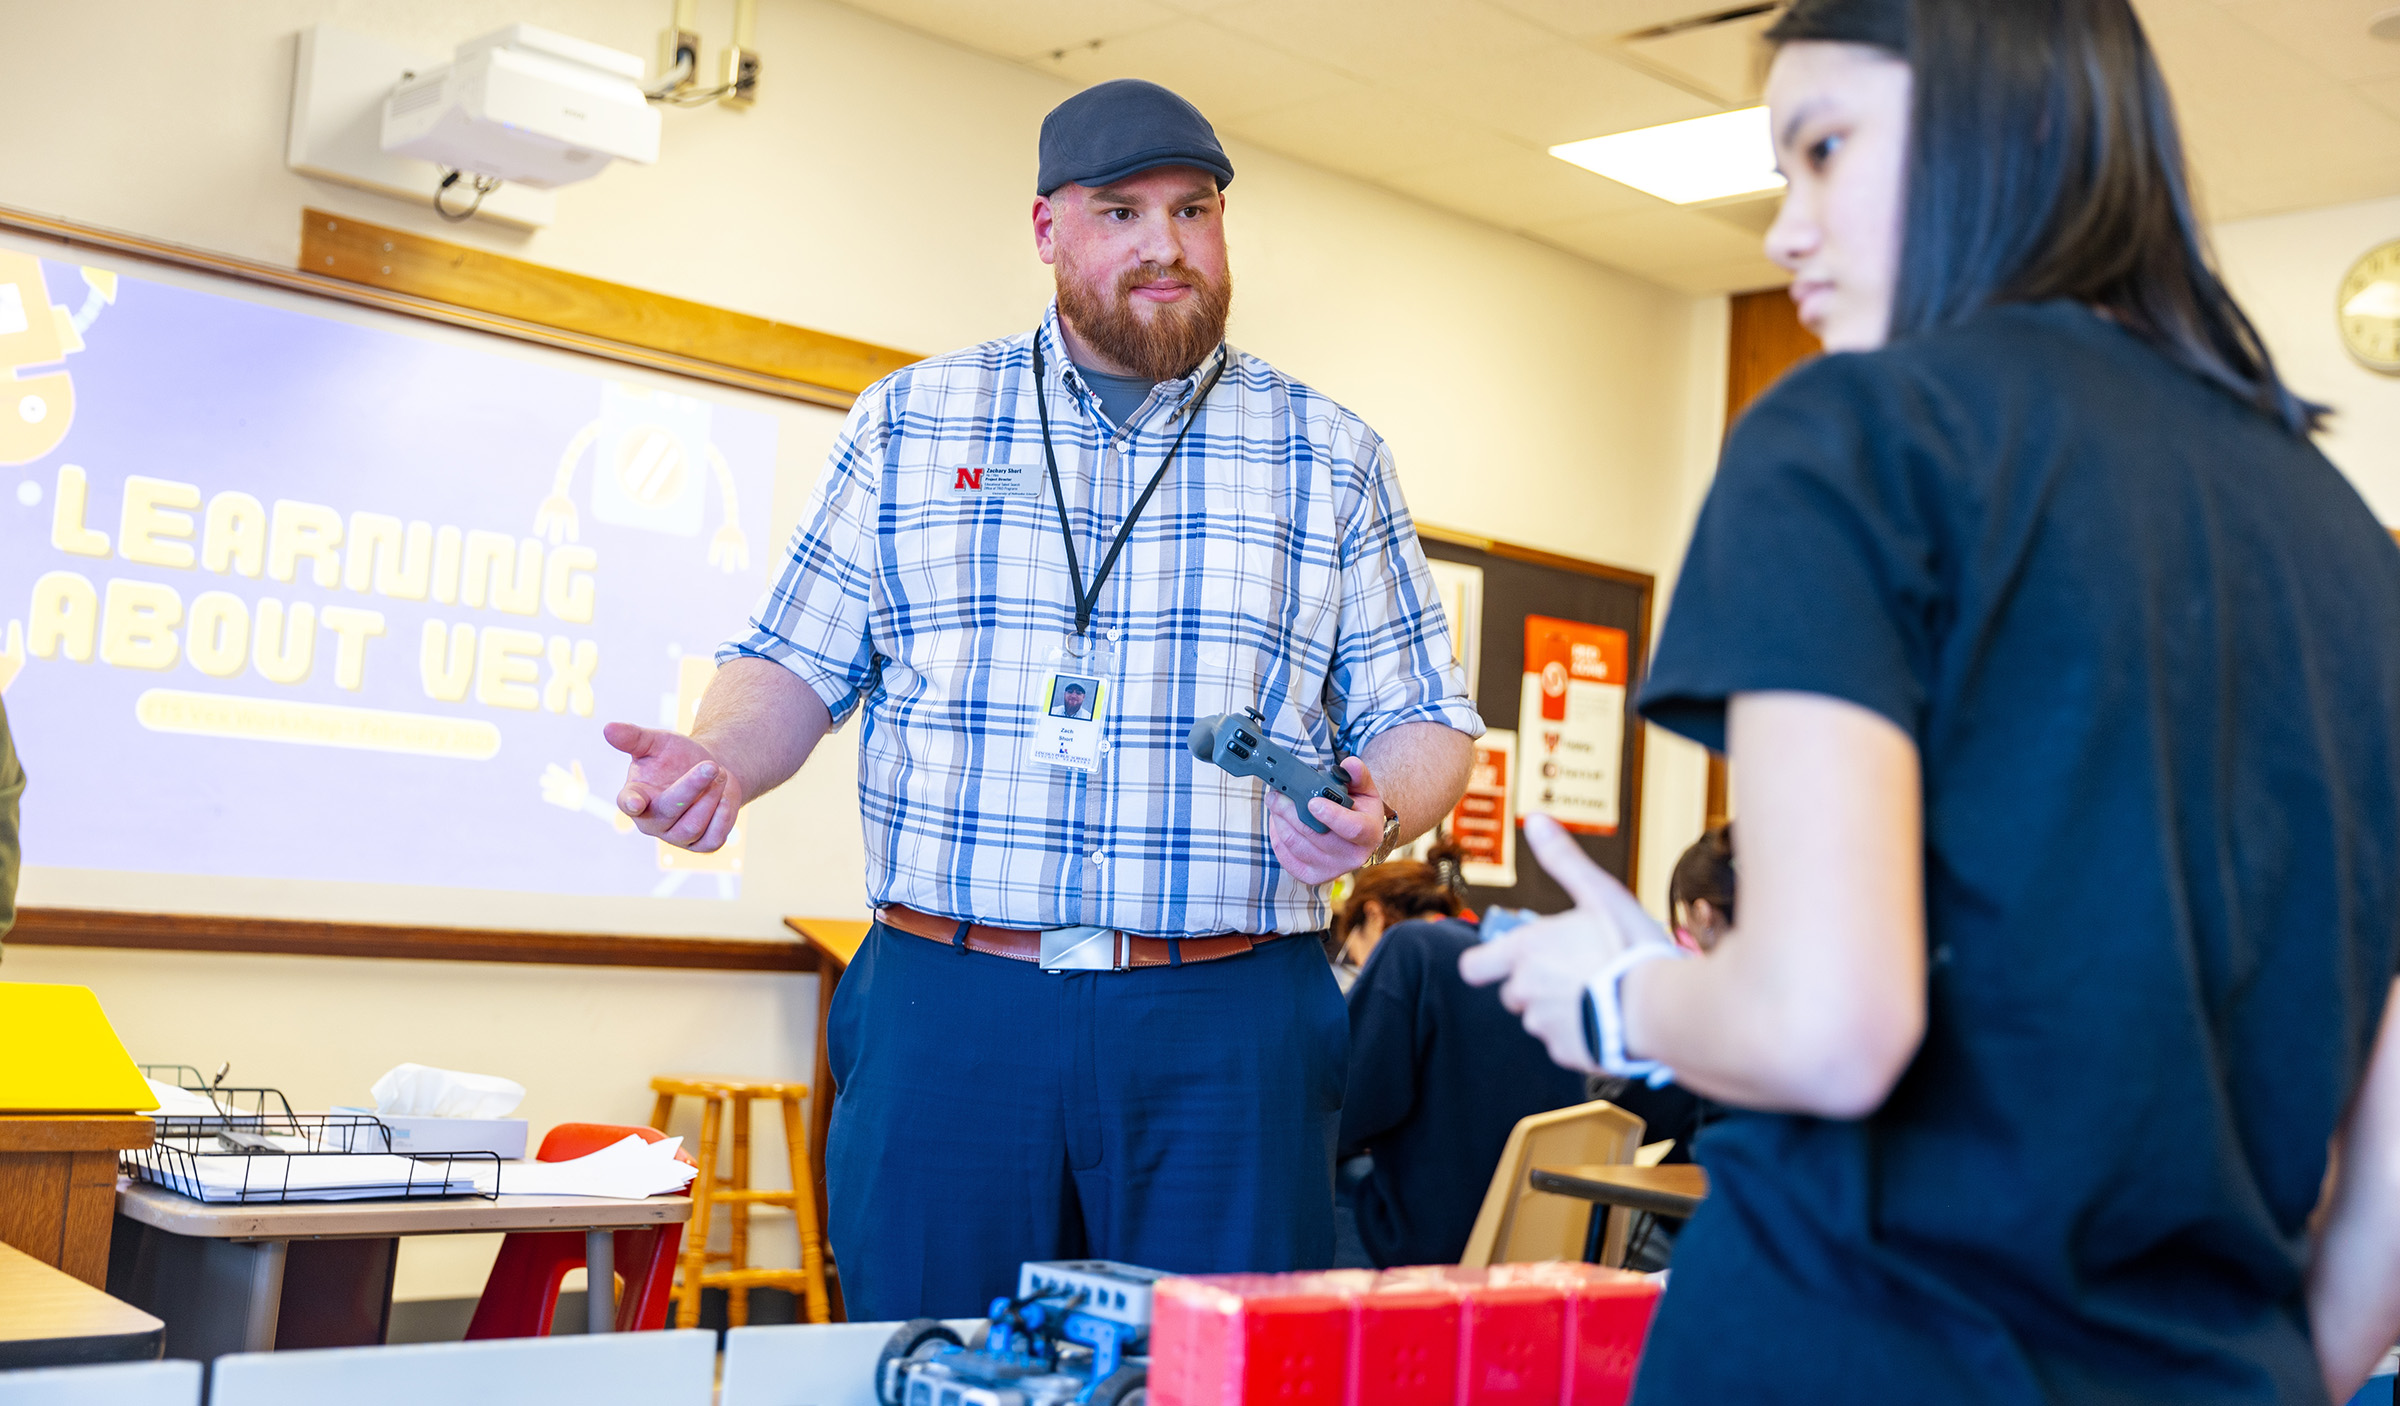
[(1078, 1331)]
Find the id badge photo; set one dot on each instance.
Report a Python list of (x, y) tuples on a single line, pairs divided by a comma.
[(1070, 709)]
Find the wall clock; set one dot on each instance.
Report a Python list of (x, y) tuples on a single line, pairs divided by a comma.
[(2369, 308)]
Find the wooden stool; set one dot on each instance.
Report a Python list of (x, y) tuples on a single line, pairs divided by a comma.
[(733, 1189)]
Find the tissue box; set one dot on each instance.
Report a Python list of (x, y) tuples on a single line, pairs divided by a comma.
[(416, 1136)]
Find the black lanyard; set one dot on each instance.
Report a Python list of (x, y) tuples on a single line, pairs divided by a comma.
[(1086, 600)]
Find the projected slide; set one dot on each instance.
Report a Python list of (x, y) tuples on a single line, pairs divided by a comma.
[(287, 596)]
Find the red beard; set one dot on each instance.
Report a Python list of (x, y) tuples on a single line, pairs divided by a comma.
[(1161, 346)]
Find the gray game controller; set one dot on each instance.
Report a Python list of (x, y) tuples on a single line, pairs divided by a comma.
[(1238, 742)]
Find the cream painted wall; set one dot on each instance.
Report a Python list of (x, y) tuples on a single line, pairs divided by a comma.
[(879, 190), (2286, 270)]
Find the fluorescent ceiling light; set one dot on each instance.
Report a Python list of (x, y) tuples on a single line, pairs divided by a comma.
[(1707, 158)]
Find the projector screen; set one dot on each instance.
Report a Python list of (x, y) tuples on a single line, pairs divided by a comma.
[(295, 594)]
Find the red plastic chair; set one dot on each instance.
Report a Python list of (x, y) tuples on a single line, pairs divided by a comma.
[(522, 1293)]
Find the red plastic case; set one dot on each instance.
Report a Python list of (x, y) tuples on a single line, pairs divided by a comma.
[(1511, 1335)]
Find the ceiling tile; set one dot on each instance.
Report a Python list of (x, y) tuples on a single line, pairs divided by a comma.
[(2271, 193), (1382, 39), (1365, 134), (1738, 276), (1022, 29), (1664, 237), (1226, 75), (2328, 129), (2385, 95), (2286, 104), (2210, 57), (1513, 188), (1728, 61), (1756, 214), (1559, 94), (2330, 34), (1607, 19)]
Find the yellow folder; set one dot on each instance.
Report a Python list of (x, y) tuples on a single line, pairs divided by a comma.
[(59, 1054)]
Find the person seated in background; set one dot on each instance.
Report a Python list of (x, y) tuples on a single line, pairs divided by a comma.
[(1700, 900), (1393, 892), (1440, 1072)]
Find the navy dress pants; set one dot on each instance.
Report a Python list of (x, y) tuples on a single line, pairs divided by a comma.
[(990, 1113)]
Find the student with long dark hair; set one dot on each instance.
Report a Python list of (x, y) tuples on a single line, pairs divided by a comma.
[(2061, 679), (1393, 892)]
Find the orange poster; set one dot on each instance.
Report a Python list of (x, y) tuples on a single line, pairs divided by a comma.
[(1480, 822), (1571, 729)]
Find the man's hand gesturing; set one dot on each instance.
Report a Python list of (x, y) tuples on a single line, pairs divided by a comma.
[(674, 788)]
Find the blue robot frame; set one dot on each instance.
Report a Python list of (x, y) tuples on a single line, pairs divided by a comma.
[(1075, 1334)]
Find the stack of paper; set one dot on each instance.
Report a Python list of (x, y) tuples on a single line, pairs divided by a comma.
[(175, 1102), (350, 1177), (629, 1170)]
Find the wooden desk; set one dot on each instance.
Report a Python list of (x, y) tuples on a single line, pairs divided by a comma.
[(1675, 1190), (49, 1318), (835, 941), (58, 1182), (218, 1272)]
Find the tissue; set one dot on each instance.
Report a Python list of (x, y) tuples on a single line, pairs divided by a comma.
[(414, 1090)]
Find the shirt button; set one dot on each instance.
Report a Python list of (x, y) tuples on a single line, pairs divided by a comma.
[(1099, 858), (1104, 746), (1115, 634)]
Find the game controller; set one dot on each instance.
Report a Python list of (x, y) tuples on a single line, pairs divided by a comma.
[(1238, 742)]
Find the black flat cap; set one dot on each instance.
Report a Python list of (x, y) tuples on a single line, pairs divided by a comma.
[(1110, 131)]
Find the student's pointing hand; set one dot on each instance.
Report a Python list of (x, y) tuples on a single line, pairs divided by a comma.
[(1544, 966), (674, 789)]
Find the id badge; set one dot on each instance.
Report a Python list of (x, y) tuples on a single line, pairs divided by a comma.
[(1070, 705)]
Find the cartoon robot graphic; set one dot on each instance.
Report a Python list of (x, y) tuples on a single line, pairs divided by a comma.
[(37, 407), (648, 473), (653, 460)]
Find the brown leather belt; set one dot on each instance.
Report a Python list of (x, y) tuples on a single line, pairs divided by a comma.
[(1106, 950)]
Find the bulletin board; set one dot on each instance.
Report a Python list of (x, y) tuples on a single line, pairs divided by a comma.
[(1556, 648)]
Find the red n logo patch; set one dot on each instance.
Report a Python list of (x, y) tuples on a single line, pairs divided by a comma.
[(969, 476)]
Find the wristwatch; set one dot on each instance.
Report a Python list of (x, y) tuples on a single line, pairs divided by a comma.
[(1391, 836)]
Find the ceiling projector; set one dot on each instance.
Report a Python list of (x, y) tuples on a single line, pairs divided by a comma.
[(527, 106)]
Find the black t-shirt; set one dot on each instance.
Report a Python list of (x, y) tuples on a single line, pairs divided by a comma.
[(2148, 646), (1439, 1074)]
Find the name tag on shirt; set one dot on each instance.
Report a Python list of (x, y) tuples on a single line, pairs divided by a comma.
[(1066, 725), (984, 480)]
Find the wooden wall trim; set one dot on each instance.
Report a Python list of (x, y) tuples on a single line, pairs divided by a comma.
[(458, 275), (1537, 556), (341, 290), (288, 937)]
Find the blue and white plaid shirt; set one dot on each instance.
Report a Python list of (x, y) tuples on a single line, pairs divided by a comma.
[(1275, 568)]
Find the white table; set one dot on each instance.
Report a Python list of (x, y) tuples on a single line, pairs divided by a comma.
[(187, 1261)]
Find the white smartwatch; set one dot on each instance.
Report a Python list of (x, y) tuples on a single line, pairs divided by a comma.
[(1604, 1014)]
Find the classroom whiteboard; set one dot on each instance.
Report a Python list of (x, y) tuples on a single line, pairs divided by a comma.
[(325, 604)]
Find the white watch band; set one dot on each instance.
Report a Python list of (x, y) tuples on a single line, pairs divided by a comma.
[(1608, 1003)]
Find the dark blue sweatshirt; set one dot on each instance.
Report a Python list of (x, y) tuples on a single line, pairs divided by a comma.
[(1439, 1074)]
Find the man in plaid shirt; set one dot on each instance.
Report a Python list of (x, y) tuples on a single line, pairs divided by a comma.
[(1093, 1017)]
